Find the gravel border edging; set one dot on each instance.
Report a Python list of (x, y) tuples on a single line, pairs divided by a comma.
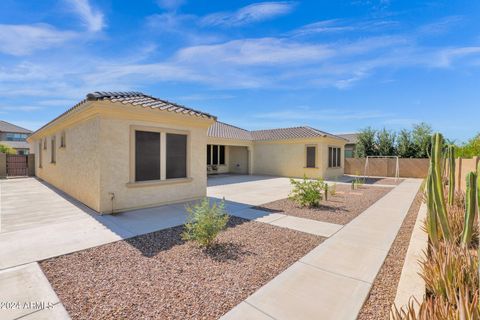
[(411, 283)]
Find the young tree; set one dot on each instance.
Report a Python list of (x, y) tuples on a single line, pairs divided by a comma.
[(405, 146), (7, 149), (421, 136), (469, 149), (385, 142), (366, 143)]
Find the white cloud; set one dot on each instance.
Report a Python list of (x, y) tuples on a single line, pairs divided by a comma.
[(447, 56), (92, 18), (24, 39), (249, 14)]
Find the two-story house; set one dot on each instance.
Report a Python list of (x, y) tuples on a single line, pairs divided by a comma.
[(14, 137)]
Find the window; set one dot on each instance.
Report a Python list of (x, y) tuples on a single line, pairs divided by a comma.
[(63, 142), (147, 155), (176, 156), (334, 157), (40, 154), (209, 154), (10, 136), (53, 151), (222, 154), (45, 144), (215, 154), (311, 152)]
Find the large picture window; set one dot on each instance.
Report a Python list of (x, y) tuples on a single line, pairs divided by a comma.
[(334, 157), (176, 156), (147, 155), (311, 153)]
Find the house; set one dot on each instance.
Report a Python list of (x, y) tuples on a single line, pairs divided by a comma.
[(14, 136), (351, 144), (290, 152), (116, 151)]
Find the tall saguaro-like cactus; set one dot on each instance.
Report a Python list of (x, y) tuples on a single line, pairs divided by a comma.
[(451, 174), (437, 185), (470, 208), (432, 224)]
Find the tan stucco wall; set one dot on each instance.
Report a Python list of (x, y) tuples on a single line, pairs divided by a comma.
[(115, 155), (288, 158), (77, 167), (238, 159)]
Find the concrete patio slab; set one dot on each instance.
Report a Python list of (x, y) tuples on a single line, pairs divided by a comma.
[(306, 292), (318, 228), (29, 292)]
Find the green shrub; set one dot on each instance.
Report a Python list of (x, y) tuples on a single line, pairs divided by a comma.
[(7, 149), (205, 222), (307, 193)]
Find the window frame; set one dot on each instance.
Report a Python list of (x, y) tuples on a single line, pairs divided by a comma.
[(334, 158), (63, 140), (163, 156), (315, 156), (210, 154), (40, 163), (53, 151)]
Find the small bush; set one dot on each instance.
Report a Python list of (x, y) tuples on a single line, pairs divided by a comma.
[(333, 189), (307, 193), (205, 222), (7, 149)]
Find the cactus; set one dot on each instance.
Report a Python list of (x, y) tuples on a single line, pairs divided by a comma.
[(326, 191), (437, 185), (470, 208), (451, 174), (432, 224)]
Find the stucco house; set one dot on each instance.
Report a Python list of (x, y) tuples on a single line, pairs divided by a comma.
[(351, 144), (289, 152), (116, 151), (14, 136)]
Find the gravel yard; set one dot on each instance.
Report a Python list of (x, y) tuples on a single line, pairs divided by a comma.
[(159, 276), (384, 287), (341, 208)]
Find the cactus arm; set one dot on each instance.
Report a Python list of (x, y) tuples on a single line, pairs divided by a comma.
[(437, 185), (451, 174), (470, 208)]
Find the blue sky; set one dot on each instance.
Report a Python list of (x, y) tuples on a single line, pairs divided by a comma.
[(335, 65)]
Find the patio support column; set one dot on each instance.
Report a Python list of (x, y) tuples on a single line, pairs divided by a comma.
[(250, 160)]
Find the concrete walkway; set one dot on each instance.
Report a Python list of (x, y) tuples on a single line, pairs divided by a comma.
[(28, 295), (317, 228), (334, 279)]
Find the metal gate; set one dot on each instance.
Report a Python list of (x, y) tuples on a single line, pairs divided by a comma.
[(17, 165)]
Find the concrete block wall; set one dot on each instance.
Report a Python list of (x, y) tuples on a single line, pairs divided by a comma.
[(3, 165)]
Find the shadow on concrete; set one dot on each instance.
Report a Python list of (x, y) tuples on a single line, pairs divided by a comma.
[(225, 179)]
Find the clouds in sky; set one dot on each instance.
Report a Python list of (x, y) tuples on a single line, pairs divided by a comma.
[(92, 18), (252, 13)]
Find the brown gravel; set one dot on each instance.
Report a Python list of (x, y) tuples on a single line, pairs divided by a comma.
[(159, 276), (340, 209), (384, 289)]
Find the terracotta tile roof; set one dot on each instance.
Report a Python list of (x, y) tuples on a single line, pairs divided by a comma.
[(140, 99), (351, 137), (226, 131), (10, 127), (134, 98)]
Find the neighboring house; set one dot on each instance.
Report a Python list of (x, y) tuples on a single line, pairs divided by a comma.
[(14, 137), (115, 151), (290, 152), (351, 144)]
